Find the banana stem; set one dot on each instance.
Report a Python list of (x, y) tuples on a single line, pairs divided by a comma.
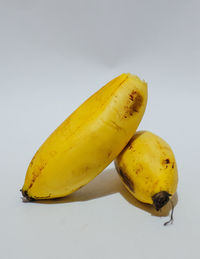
[(171, 216)]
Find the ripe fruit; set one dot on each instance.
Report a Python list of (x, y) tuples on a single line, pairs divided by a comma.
[(148, 169), (88, 140)]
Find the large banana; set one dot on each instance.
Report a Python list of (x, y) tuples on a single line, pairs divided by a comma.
[(88, 140), (147, 167)]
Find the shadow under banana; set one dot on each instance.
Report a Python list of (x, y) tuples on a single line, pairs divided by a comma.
[(108, 183)]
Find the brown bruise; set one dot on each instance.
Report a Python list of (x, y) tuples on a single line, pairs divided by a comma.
[(134, 104), (126, 179), (137, 100)]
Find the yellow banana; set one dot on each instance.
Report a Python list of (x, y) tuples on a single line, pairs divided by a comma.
[(88, 140), (148, 169)]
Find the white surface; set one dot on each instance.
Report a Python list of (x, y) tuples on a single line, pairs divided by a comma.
[(55, 54)]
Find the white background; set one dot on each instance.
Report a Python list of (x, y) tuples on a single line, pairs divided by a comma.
[(54, 55)]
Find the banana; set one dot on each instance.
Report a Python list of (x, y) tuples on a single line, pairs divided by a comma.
[(88, 140), (148, 169)]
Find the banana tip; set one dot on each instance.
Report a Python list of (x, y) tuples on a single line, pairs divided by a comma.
[(26, 197), (160, 199)]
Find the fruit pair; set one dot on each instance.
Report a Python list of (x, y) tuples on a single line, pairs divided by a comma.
[(92, 137)]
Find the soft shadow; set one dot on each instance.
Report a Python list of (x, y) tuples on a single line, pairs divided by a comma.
[(147, 207), (108, 183)]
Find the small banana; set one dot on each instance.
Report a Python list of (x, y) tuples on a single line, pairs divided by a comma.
[(148, 169), (88, 140)]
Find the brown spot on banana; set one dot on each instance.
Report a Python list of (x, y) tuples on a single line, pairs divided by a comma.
[(36, 173), (113, 124), (126, 179), (109, 153), (135, 102), (166, 161)]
